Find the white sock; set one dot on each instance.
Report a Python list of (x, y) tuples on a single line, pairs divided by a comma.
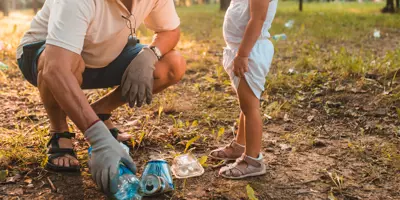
[(260, 157)]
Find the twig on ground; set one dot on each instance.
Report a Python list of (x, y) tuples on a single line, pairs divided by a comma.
[(158, 151), (52, 185)]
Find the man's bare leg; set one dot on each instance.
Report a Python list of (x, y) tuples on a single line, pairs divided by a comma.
[(169, 70), (57, 117)]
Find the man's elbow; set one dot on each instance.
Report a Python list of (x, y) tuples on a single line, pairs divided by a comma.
[(50, 73), (177, 33), (55, 71)]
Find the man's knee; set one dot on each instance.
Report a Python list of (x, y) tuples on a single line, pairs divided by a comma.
[(177, 66), (47, 68)]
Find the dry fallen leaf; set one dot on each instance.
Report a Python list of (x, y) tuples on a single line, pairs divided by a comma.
[(133, 123), (286, 118), (28, 181), (13, 179), (285, 147), (17, 191)]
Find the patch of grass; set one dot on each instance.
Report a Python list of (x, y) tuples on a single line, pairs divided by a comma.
[(22, 148)]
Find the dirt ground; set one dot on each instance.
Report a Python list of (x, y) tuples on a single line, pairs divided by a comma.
[(331, 139)]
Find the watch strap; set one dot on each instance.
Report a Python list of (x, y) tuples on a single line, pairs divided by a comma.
[(156, 51)]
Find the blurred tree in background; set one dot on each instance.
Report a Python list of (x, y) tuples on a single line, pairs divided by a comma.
[(390, 8), (224, 4), (4, 5), (7, 5)]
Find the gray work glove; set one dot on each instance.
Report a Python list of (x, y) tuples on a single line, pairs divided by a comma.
[(137, 81), (106, 156)]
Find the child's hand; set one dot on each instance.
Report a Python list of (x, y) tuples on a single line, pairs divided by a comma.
[(240, 65)]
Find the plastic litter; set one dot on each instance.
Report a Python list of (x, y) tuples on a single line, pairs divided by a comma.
[(156, 178), (289, 24), (3, 66), (186, 166), (292, 71), (377, 33), (128, 183), (279, 37)]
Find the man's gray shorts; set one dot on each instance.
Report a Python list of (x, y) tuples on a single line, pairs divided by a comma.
[(93, 78)]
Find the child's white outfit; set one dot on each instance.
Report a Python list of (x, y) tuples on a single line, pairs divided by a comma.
[(236, 20)]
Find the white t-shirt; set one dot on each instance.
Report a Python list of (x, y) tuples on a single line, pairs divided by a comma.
[(95, 29)]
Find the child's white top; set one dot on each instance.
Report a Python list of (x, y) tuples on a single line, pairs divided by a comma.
[(238, 16), (236, 19)]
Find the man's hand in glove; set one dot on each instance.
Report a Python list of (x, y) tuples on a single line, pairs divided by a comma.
[(106, 156), (137, 81)]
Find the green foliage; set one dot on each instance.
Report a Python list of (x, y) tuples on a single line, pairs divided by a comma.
[(398, 113), (190, 142), (203, 160), (250, 193), (221, 132), (3, 175)]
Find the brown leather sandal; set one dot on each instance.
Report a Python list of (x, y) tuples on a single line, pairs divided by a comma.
[(232, 151)]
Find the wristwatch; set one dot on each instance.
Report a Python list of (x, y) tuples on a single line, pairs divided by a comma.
[(156, 51)]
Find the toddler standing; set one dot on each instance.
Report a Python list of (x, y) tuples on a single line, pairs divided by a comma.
[(247, 59)]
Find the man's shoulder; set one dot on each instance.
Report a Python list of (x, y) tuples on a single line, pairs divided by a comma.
[(77, 3), (86, 7)]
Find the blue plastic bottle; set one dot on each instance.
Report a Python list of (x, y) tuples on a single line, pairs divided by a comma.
[(128, 183)]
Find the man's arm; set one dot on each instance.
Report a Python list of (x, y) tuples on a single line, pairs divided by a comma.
[(258, 14), (61, 71), (166, 40)]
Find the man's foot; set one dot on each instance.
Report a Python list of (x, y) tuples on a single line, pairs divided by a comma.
[(121, 137), (232, 151), (61, 155), (244, 166)]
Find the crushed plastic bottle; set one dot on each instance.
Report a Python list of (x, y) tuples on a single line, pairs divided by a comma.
[(3, 66), (377, 33), (128, 183), (279, 37), (289, 24)]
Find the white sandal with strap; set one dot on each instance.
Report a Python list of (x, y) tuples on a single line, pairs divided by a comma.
[(244, 166)]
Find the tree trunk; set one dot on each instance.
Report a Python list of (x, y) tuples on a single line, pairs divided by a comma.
[(35, 6), (224, 4), (397, 4), (13, 5), (389, 7), (5, 7), (301, 5)]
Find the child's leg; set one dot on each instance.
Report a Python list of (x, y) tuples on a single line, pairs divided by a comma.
[(241, 137), (250, 163), (250, 106), (236, 148)]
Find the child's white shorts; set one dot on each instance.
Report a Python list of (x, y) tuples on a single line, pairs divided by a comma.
[(259, 63)]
